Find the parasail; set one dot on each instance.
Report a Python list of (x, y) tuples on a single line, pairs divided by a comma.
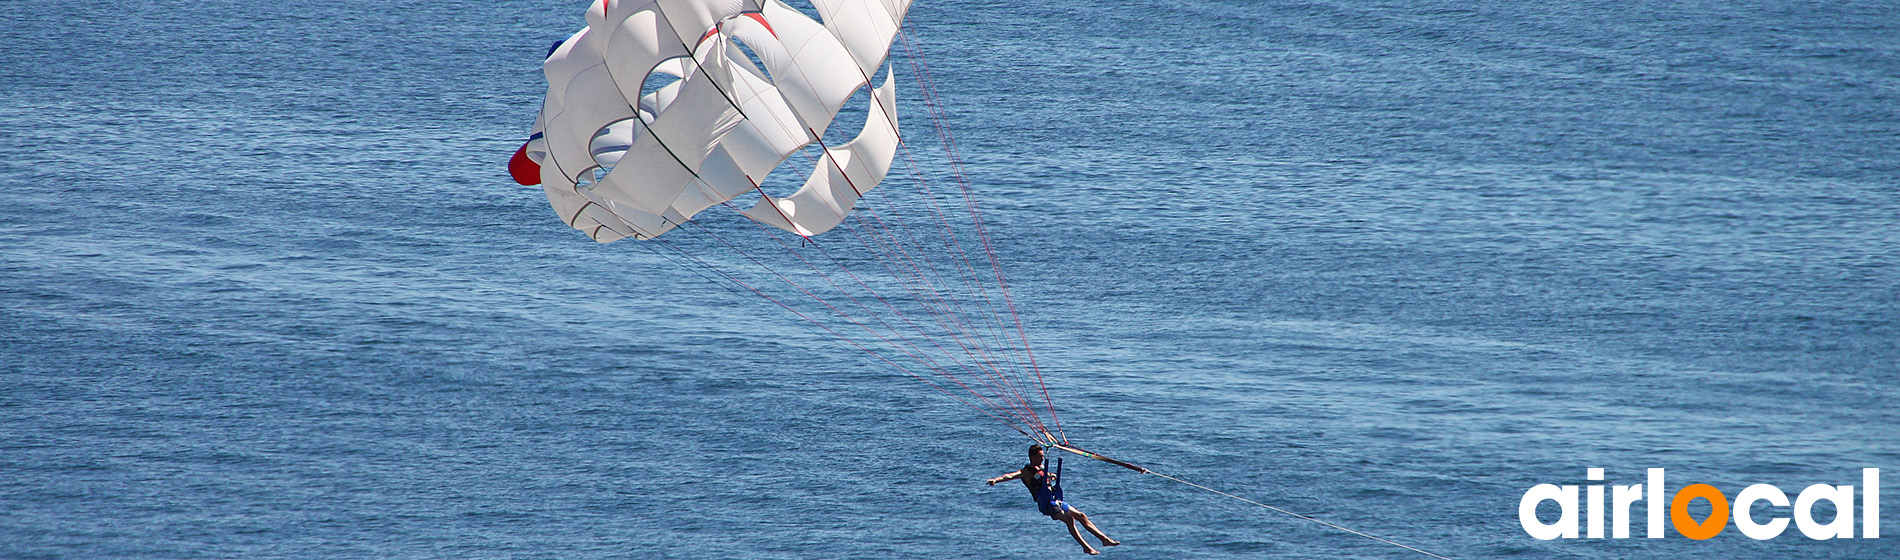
[(659, 110)]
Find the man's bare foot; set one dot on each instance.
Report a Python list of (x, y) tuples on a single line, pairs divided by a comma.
[(1091, 550), (1111, 542)]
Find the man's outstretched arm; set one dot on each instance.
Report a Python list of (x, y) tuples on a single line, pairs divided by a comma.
[(1007, 477)]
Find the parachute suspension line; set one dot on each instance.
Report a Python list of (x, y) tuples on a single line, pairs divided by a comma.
[(922, 72), (983, 300), (860, 195), (924, 277), (1033, 415), (897, 250), (913, 280), (1308, 518), (913, 355), (892, 248), (801, 315), (1019, 406), (1016, 411), (989, 378), (949, 315), (951, 241), (914, 352)]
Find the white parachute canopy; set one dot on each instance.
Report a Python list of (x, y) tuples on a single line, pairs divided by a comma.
[(618, 163), (661, 109)]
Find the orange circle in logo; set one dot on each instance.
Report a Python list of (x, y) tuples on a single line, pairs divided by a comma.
[(1708, 528)]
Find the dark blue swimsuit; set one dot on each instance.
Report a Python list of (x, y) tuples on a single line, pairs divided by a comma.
[(1047, 490)]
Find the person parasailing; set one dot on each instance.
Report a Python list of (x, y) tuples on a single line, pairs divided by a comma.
[(1046, 488)]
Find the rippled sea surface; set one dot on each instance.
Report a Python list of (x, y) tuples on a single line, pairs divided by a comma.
[(266, 292)]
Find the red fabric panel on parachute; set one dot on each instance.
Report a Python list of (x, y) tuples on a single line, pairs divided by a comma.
[(761, 19), (524, 170)]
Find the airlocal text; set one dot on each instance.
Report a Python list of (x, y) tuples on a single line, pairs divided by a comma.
[(1622, 497)]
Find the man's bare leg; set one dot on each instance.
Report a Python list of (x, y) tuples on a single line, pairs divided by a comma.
[(1090, 525), (1070, 521)]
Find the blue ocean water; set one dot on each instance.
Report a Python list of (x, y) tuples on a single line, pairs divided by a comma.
[(266, 292)]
